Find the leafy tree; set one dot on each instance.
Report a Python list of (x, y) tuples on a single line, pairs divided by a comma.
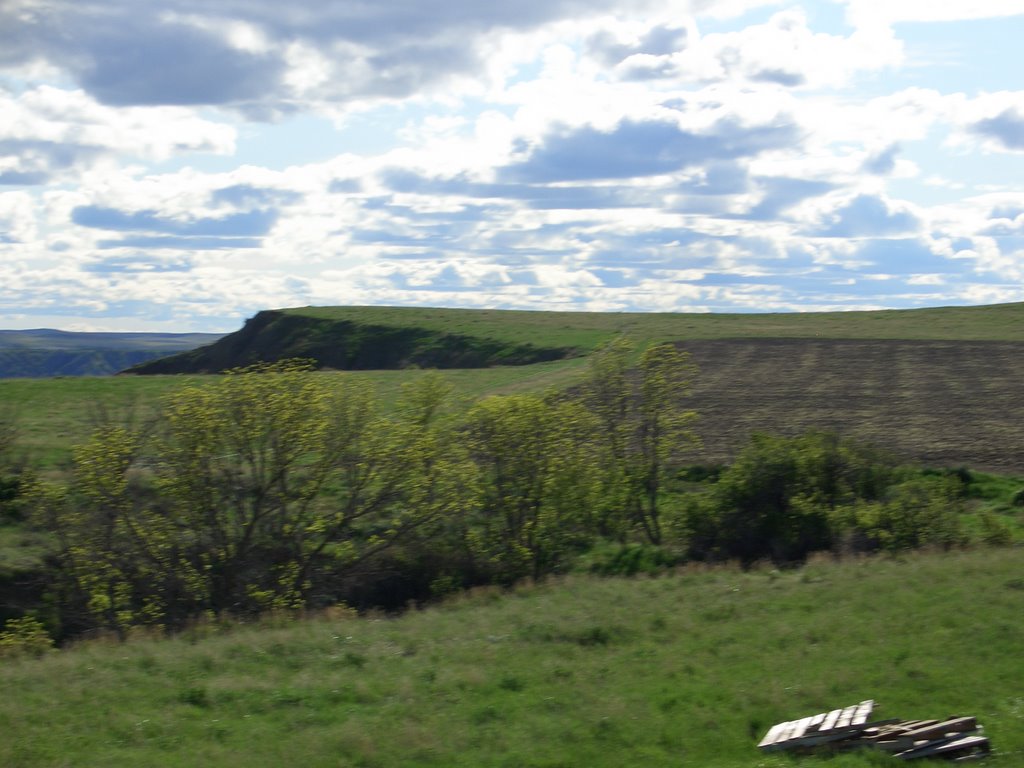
[(643, 427), (259, 488), (537, 483), (779, 499)]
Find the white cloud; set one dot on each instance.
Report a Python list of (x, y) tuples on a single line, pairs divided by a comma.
[(608, 154), (783, 51), (17, 218), (873, 12), (50, 133)]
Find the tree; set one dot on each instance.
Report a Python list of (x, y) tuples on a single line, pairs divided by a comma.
[(537, 481), (643, 426), (783, 498), (258, 488)]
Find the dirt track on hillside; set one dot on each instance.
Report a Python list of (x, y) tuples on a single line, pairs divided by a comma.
[(941, 403)]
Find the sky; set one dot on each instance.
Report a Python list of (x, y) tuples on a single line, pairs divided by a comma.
[(181, 165)]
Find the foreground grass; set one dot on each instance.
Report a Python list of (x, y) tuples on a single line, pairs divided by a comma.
[(687, 669)]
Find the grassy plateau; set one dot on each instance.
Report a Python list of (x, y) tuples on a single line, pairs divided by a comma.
[(940, 386), (688, 668)]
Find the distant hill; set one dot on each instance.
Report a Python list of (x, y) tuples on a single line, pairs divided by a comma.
[(363, 341), (367, 338), (44, 352)]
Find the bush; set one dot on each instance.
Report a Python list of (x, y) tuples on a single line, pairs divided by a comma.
[(921, 512), (24, 637), (612, 559), (777, 500), (995, 532)]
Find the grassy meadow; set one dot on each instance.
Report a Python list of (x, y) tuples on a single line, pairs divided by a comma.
[(586, 330), (688, 668), (773, 372), (54, 414)]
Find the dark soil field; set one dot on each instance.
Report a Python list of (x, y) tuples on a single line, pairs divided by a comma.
[(940, 403)]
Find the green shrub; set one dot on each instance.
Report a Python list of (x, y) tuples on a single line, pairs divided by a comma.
[(777, 500), (920, 512), (995, 532), (613, 559), (24, 637)]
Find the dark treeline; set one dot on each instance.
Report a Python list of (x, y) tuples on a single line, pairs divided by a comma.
[(273, 487)]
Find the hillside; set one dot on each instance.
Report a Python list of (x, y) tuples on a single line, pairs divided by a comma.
[(939, 386), (366, 338), (44, 352), (356, 344), (689, 669)]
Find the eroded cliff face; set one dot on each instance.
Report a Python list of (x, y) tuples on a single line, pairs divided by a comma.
[(274, 335)]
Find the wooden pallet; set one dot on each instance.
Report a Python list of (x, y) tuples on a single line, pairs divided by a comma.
[(956, 738), (818, 729)]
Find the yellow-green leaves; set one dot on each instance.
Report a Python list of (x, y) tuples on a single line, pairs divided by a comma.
[(252, 489), (536, 483), (644, 428)]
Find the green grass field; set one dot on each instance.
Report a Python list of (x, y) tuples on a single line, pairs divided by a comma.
[(586, 330), (55, 414), (687, 669)]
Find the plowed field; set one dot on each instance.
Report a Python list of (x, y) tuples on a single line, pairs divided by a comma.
[(941, 403)]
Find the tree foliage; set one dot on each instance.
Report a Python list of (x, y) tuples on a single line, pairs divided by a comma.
[(784, 498), (277, 487), (644, 428), (537, 481), (255, 488)]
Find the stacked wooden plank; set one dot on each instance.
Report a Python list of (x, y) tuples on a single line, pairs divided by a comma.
[(957, 738)]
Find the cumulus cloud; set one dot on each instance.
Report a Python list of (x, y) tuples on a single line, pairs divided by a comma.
[(48, 134), (783, 51), (780, 194), (661, 40), (585, 154), (17, 220), (867, 216), (1007, 128), (882, 162), (234, 225), (260, 56), (647, 148)]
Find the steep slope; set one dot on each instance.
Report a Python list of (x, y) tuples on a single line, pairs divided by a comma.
[(365, 338), (350, 345)]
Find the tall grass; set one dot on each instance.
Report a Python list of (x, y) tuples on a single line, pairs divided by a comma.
[(686, 669)]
